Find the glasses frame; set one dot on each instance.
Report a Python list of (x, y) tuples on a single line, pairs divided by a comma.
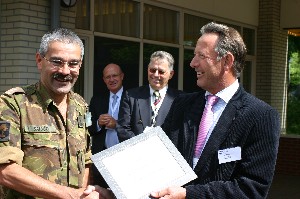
[(63, 63)]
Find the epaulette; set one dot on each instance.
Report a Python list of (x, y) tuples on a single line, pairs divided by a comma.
[(30, 89), (16, 90)]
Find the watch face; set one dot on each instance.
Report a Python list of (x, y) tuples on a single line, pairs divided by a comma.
[(68, 3)]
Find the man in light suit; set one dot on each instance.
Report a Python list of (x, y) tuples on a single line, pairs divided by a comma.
[(240, 149), (105, 115), (137, 110)]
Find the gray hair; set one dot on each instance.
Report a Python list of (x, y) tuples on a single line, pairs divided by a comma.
[(229, 41), (62, 35), (160, 55)]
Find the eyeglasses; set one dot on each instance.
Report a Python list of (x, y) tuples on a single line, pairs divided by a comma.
[(57, 63), (153, 70)]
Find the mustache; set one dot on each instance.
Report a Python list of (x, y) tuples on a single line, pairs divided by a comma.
[(61, 77)]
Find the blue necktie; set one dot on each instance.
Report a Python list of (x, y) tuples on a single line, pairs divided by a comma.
[(115, 97)]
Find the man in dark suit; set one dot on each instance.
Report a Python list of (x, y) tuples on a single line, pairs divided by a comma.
[(238, 154), (105, 114), (141, 107)]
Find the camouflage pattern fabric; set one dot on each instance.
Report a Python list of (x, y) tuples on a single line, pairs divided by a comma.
[(54, 149)]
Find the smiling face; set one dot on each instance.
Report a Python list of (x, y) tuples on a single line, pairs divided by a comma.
[(159, 73), (211, 73), (59, 80), (113, 77)]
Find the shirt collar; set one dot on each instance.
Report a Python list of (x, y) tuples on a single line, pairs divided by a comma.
[(119, 93), (162, 91), (227, 93)]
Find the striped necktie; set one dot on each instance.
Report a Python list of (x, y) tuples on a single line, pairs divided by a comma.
[(156, 97)]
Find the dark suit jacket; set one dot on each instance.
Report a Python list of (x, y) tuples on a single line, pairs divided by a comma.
[(98, 105), (246, 122), (135, 111)]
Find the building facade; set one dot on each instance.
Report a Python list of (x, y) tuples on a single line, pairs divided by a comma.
[(128, 31)]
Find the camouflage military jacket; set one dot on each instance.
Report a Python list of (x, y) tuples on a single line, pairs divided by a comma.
[(36, 136)]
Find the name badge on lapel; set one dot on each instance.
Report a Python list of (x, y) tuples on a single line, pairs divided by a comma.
[(81, 121), (88, 119), (229, 155)]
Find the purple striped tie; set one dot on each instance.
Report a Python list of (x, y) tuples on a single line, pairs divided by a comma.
[(205, 124)]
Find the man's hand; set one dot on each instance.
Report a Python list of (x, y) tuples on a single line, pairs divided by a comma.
[(103, 193), (112, 123), (170, 193), (104, 120)]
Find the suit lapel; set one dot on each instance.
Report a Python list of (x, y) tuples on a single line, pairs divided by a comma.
[(106, 103), (164, 108), (144, 102)]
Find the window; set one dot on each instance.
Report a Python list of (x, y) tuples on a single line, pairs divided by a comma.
[(189, 74), (192, 26), (160, 24), (249, 38), (82, 15), (123, 53), (119, 17)]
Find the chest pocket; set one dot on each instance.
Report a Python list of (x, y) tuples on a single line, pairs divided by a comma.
[(41, 136)]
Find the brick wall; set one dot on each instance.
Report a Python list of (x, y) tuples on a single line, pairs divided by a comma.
[(288, 159), (22, 25)]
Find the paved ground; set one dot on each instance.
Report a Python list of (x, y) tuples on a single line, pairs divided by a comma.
[(285, 187)]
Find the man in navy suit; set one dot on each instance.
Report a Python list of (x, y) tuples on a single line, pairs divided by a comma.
[(105, 114), (140, 108), (241, 145)]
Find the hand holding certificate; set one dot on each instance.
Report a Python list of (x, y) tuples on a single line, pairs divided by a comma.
[(142, 164)]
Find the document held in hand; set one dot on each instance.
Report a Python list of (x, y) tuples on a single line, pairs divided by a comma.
[(145, 163)]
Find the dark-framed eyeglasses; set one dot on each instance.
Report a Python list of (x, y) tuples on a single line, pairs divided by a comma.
[(57, 63)]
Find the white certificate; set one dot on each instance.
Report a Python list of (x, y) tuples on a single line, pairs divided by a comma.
[(145, 163)]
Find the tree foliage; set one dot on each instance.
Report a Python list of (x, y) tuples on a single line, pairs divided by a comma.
[(294, 45), (293, 102)]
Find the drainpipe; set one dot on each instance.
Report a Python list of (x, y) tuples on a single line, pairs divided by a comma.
[(55, 14)]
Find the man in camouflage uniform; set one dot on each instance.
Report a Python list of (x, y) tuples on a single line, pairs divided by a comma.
[(44, 150)]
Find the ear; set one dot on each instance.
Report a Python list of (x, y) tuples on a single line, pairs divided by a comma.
[(229, 59), (38, 60), (171, 74), (122, 76)]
